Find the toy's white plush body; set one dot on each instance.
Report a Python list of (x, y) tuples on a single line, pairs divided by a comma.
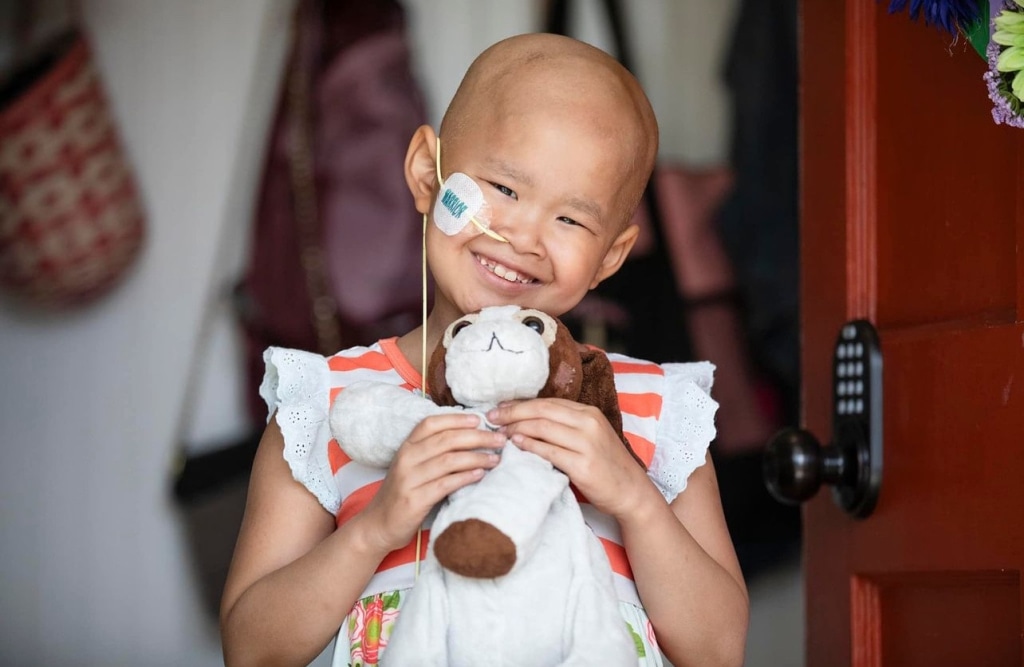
[(557, 605)]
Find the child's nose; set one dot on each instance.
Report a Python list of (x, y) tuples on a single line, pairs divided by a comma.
[(523, 230)]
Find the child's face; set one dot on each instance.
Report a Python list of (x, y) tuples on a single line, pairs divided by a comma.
[(558, 188)]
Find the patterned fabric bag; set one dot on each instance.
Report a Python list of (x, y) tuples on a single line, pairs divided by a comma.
[(70, 220)]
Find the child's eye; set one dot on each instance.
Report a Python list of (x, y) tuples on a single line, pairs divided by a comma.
[(507, 191), (576, 223)]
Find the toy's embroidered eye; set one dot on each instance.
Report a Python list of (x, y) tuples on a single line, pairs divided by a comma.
[(534, 323), (459, 326)]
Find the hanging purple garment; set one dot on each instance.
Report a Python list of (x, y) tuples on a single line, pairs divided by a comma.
[(362, 108)]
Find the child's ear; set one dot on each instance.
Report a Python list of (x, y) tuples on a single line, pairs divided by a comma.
[(420, 172), (617, 253)]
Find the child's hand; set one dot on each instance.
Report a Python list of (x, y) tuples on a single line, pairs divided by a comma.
[(440, 455), (578, 440)]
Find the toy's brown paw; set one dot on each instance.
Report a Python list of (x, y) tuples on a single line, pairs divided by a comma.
[(475, 549)]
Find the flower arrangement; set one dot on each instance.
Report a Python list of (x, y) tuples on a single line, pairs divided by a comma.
[(995, 28), (1005, 53)]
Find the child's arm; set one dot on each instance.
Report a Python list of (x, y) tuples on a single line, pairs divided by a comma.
[(681, 554), (687, 573), (294, 579)]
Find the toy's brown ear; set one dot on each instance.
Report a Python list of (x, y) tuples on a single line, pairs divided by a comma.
[(437, 383), (565, 374), (598, 389)]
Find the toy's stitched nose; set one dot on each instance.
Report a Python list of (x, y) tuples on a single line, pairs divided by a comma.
[(476, 549), (495, 339)]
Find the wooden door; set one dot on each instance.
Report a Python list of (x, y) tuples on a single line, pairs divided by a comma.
[(913, 218)]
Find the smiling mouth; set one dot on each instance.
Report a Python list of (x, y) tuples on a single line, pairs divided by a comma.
[(504, 272)]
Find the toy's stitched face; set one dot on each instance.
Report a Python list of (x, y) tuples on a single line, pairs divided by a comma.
[(498, 354)]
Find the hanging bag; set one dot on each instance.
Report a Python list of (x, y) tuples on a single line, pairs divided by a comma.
[(335, 257), (71, 223)]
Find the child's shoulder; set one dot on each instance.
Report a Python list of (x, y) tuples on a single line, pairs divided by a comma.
[(382, 355), (668, 405), (299, 387), (300, 378), (627, 368)]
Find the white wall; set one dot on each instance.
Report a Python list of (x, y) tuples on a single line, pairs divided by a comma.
[(93, 567), (94, 570)]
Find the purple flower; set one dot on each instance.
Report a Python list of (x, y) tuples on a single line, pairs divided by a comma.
[(1006, 108), (950, 15)]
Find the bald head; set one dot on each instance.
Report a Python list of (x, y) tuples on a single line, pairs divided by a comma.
[(552, 74)]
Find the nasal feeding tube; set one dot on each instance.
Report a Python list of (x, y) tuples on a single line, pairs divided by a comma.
[(459, 202)]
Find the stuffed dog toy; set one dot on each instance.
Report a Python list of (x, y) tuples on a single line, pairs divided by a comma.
[(513, 575)]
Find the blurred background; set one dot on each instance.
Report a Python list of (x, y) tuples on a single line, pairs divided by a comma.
[(127, 411)]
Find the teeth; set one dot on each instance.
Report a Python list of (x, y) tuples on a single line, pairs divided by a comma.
[(504, 272)]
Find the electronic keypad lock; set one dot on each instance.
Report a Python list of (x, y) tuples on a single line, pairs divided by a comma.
[(795, 463)]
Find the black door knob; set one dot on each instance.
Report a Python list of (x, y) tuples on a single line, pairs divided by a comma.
[(796, 465)]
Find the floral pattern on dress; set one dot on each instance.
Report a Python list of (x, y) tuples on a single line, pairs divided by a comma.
[(369, 627), (651, 639)]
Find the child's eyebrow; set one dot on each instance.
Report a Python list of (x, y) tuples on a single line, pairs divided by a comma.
[(588, 206), (506, 169)]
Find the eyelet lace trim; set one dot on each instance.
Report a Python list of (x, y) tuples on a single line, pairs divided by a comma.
[(686, 427), (297, 385)]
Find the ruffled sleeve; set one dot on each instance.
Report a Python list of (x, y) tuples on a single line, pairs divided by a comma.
[(296, 385), (686, 426)]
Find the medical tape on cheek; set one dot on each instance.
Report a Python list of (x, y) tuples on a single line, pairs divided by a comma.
[(459, 202)]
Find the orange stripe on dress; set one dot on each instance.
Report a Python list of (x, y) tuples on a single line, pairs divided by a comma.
[(372, 360), (636, 367), (406, 555), (335, 456), (642, 447), (337, 390), (356, 501), (640, 405), (617, 557)]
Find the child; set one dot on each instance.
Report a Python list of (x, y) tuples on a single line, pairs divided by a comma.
[(562, 140)]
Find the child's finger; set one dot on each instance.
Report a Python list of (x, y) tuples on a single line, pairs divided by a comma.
[(576, 428), (440, 487), (444, 422), (551, 408), (459, 439), (420, 462), (453, 462), (560, 457), (557, 434)]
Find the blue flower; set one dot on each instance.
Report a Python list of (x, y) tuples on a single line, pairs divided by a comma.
[(950, 15)]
